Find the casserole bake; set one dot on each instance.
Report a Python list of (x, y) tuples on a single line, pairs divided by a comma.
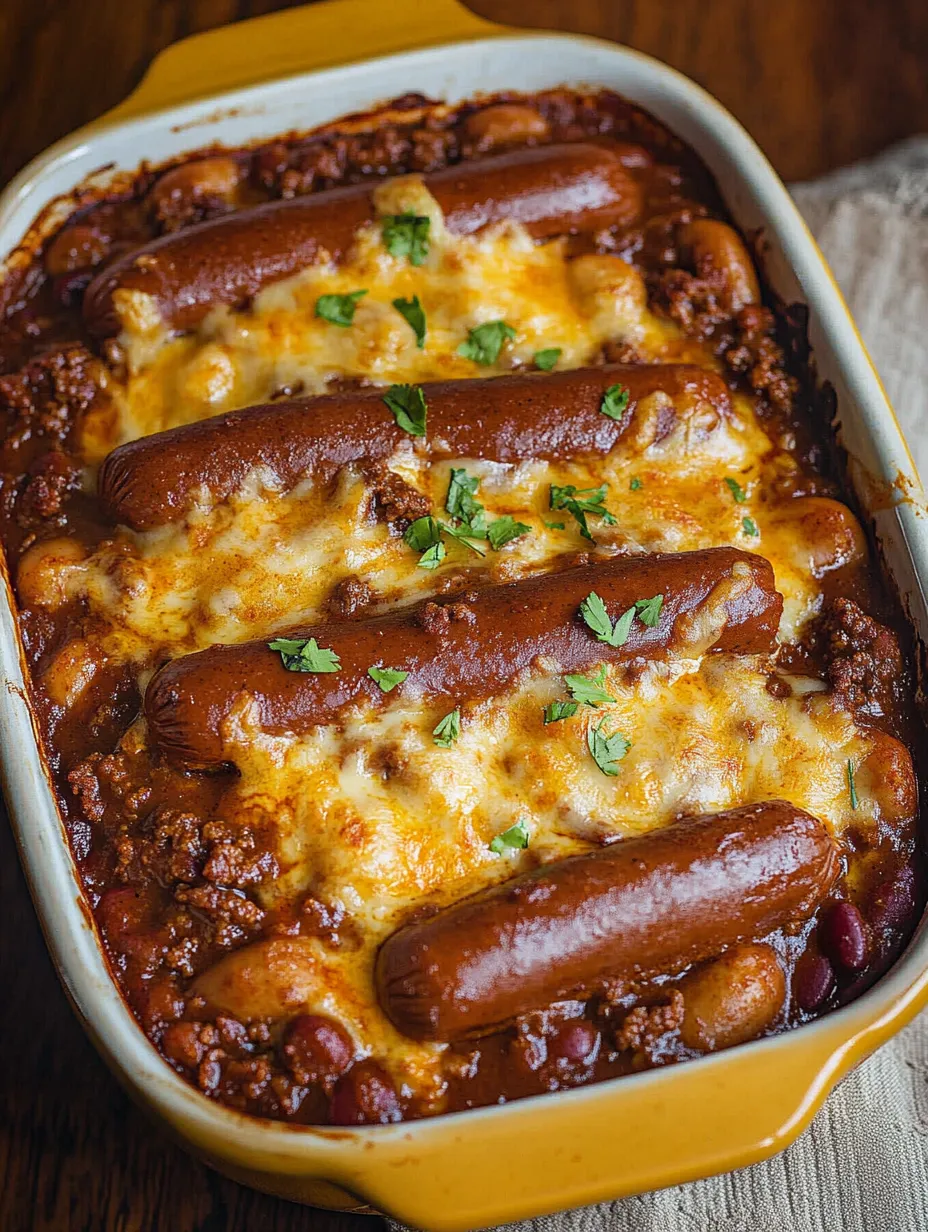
[(464, 1214)]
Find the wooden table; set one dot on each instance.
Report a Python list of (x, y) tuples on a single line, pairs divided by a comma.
[(817, 83)]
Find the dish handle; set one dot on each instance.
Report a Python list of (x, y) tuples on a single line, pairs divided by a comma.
[(313, 36)]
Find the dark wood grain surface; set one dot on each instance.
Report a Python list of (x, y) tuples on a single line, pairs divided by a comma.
[(818, 83)]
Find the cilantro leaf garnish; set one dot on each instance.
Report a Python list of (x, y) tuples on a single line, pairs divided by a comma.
[(484, 342), (588, 690), (615, 402), (852, 785), (556, 525), (432, 557), (303, 654), (413, 314), (461, 502), (406, 235), (516, 836), (466, 535), (649, 610), (448, 729), (607, 751), (635, 483), (581, 501), (387, 677), (546, 359), (338, 309), (407, 402), (595, 616), (422, 533), (736, 490), (504, 530), (749, 526), (555, 711)]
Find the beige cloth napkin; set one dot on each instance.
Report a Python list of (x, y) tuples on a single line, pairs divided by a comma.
[(862, 1166)]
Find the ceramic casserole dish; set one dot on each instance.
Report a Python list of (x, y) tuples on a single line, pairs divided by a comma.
[(276, 74)]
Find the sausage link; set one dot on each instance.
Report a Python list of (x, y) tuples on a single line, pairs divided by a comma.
[(469, 647), (550, 190), (553, 417), (718, 246), (639, 908)]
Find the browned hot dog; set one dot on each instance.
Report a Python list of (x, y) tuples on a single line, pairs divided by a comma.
[(639, 908), (470, 647), (551, 190), (506, 419)]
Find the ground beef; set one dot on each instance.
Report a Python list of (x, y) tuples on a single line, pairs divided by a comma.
[(394, 500), (864, 663), (643, 1027), (233, 915), (46, 397), (50, 479), (437, 618), (696, 302), (754, 351), (349, 598)]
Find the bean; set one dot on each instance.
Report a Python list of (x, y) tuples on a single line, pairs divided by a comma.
[(843, 936), (505, 124), (893, 903), (577, 1041), (813, 981), (365, 1095), (733, 999), (317, 1048)]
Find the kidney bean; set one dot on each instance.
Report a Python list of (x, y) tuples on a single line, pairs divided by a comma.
[(893, 904), (365, 1095), (577, 1041), (813, 981), (843, 936), (317, 1048)]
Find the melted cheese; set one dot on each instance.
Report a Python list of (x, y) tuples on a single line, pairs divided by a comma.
[(372, 815)]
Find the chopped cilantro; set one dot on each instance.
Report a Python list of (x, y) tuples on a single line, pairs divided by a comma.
[(635, 484), (387, 677), (546, 359), (303, 654), (461, 501), (448, 729), (406, 235), (504, 530), (736, 490), (423, 533), (432, 557), (593, 611), (413, 314), (649, 610), (581, 501), (615, 402), (556, 525), (516, 836), (588, 690), (607, 751), (749, 526), (555, 711), (407, 402), (484, 342), (852, 785), (338, 309)]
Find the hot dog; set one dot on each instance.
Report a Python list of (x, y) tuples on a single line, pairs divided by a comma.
[(639, 908), (156, 479), (550, 190), (469, 647)]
